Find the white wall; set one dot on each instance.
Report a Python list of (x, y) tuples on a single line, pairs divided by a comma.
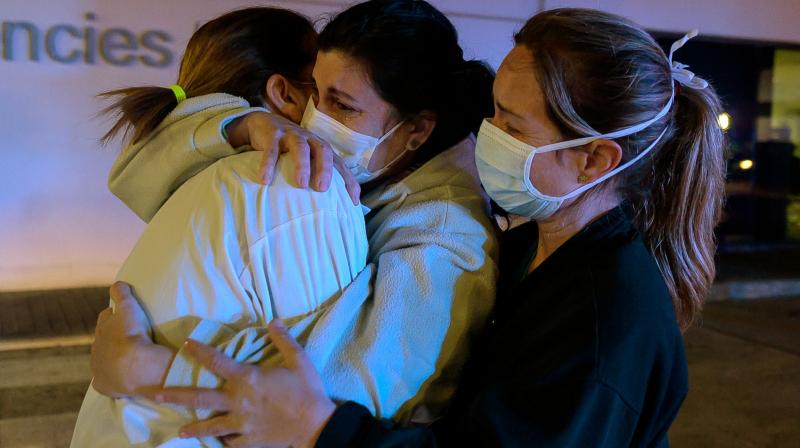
[(59, 226), (767, 20)]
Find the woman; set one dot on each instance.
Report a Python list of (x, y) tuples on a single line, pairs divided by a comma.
[(224, 247), (398, 101), (585, 347)]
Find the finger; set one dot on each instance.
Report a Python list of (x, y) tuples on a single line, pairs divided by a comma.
[(236, 441), (292, 352), (133, 319), (216, 427), (322, 159), (120, 292), (213, 360), (350, 182), (267, 143), (102, 318), (269, 159), (195, 398), (125, 301), (297, 146)]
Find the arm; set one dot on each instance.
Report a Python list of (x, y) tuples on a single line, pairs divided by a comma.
[(281, 406), (271, 406), (575, 414), (351, 425), (189, 139), (204, 129), (433, 289), (124, 360)]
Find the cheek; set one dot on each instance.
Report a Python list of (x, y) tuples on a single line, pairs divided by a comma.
[(362, 123), (550, 176)]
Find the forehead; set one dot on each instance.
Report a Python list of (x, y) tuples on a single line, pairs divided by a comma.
[(339, 71), (516, 86)]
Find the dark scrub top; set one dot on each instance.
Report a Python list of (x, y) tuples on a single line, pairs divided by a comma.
[(585, 351)]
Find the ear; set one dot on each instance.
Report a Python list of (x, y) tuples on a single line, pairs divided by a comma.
[(599, 157), (285, 99), (423, 125)]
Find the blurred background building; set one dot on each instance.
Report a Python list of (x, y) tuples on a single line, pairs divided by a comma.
[(60, 227)]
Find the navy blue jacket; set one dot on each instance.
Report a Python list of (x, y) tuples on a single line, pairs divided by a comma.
[(584, 351)]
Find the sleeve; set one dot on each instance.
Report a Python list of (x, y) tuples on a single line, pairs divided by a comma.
[(353, 426), (433, 289), (189, 139), (567, 415)]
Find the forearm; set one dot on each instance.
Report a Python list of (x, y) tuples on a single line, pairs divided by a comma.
[(351, 425)]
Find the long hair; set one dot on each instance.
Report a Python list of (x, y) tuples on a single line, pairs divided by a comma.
[(235, 54), (601, 72)]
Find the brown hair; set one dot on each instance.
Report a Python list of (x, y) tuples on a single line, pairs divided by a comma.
[(600, 73), (235, 54)]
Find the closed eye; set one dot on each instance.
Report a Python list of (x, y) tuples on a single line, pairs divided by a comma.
[(343, 107)]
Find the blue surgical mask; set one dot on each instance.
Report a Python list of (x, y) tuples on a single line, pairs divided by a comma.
[(504, 163), (354, 148)]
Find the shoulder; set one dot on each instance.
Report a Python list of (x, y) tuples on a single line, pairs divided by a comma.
[(627, 285), (453, 169), (638, 340), (443, 194), (235, 183)]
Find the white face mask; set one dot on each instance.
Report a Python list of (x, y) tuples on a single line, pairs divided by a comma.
[(354, 148), (504, 163)]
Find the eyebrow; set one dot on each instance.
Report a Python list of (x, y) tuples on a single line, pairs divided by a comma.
[(345, 95), (507, 110)]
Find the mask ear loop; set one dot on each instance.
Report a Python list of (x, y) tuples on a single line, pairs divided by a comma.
[(679, 73), (368, 155)]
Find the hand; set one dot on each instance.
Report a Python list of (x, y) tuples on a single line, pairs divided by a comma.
[(279, 406), (124, 359), (275, 135)]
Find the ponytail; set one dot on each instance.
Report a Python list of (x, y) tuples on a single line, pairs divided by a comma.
[(601, 72), (138, 110), (235, 54), (678, 217), (464, 98)]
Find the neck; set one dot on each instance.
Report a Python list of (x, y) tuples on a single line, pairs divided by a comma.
[(568, 221)]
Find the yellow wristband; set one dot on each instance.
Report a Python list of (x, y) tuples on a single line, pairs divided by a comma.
[(180, 95)]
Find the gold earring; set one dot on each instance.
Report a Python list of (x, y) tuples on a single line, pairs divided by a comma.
[(582, 179)]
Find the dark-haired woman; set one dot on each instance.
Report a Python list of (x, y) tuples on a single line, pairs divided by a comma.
[(398, 102), (612, 150)]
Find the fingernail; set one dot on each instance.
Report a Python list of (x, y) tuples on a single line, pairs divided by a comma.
[(183, 435)]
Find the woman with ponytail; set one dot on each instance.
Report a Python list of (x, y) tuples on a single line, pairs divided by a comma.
[(611, 149), (395, 104), (221, 254)]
